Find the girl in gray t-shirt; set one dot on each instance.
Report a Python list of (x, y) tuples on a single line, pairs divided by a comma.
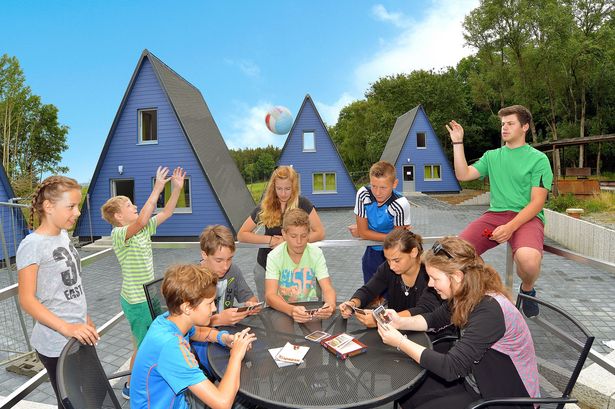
[(50, 288)]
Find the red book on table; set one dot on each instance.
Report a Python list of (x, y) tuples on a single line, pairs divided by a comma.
[(343, 345)]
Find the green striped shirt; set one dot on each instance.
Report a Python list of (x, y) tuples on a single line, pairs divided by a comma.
[(136, 260)]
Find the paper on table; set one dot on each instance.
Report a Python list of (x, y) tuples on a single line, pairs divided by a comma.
[(274, 352), (292, 353)]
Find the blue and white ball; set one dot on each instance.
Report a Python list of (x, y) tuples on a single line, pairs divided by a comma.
[(279, 120)]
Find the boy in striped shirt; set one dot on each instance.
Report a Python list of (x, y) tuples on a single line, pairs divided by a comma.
[(132, 244)]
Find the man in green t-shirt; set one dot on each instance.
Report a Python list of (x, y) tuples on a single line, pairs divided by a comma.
[(520, 179)]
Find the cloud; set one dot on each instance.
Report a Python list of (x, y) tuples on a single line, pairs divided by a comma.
[(248, 129), (382, 14), (434, 42), (248, 67), (330, 113)]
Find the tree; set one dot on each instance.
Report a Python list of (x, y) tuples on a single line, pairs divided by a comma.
[(32, 137)]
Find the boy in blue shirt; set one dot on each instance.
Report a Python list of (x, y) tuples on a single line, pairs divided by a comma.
[(379, 209), (166, 374)]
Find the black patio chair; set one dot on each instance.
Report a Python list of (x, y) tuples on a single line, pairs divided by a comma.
[(82, 382), (155, 301), (562, 344)]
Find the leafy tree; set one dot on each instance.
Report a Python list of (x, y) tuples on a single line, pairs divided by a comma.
[(32, 138)]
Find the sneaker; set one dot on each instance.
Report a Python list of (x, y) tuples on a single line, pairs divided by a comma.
[(530, 308), (126, 391)]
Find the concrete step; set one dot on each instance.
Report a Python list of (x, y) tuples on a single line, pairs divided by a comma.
[(479, 200)]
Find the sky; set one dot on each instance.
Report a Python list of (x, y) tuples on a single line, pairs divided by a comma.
[(244, 56)]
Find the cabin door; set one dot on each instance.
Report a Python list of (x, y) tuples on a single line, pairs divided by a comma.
[(123, 187), (408, 182)]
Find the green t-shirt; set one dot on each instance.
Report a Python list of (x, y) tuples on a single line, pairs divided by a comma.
[(136, 260), (297, 282), (512, 175)]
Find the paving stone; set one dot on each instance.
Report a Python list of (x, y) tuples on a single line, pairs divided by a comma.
[(582, 290)]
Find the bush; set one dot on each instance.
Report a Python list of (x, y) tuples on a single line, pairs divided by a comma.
[(562, 202)]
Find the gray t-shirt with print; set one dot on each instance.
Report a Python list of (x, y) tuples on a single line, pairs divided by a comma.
[(58, 285), (232, 286)]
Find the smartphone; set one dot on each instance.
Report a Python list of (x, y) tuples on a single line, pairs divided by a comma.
[(380, 315)]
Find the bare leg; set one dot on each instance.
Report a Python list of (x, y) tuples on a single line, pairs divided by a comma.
[(528, 262)]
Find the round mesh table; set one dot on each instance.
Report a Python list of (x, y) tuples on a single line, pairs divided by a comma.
[(373, 378)]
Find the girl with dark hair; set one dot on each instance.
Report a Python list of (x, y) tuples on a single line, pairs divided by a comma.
[(402, 276)]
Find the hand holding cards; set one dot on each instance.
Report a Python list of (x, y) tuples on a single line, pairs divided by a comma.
[(251, 307), (380, 316)]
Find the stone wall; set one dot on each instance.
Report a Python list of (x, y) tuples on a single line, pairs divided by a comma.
[(581, 236)]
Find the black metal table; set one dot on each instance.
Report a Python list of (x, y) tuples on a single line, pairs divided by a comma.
[(380, 375)]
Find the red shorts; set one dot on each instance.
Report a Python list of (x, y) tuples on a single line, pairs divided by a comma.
[(531, 234)]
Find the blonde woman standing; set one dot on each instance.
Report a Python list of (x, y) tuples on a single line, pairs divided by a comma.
[(281, 195)]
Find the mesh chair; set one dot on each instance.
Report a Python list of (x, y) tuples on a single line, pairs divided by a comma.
[(155, 301), (562, 345), (82, 383)]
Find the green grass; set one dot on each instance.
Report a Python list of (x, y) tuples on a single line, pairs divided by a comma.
[(599, 203), (257, 189)]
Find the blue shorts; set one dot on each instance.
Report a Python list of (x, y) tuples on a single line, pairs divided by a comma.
[(371, 261)]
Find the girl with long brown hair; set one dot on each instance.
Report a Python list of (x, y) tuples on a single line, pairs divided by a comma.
[(282, 194), (494, 355)]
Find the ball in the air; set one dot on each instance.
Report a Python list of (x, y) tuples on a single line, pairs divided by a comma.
[(279, 120)]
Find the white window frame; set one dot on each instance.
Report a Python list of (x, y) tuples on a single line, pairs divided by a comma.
[(177, 210), (324, 182), (140, 140), (432, 165), (424, 139), (313, 141)]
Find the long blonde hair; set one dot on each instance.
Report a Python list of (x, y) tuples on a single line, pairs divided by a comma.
[(271, 209), (50, 189), (479, 278)]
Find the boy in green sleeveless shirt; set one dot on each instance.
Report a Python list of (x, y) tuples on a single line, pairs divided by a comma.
[(520, 179)]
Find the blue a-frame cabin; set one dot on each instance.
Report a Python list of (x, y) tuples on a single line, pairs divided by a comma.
[(417, 154), (309, 149), (164, 120), (14, 226)]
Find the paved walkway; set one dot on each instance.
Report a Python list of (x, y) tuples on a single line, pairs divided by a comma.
[(583, 291)]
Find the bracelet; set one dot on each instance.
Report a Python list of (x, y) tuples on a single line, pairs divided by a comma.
[(458, 143), (219, 337), (400, 341)]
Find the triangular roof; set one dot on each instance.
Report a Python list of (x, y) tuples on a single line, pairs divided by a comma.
[(396, 140), (306, 100), (203, 136), (4, 178)]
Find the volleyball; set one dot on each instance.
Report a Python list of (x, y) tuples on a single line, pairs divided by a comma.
[(279, 120)]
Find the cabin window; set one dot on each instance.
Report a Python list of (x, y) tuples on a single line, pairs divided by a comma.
[(148, 126), (184, 203), (123, 187), (325, 182), (420, 140), (309, 143), (432, 172)]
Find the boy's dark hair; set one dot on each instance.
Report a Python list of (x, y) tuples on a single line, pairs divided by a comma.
[(295, 217), (214, 237), (383, 169), (523, 114), (189, 283), (405, 239)]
